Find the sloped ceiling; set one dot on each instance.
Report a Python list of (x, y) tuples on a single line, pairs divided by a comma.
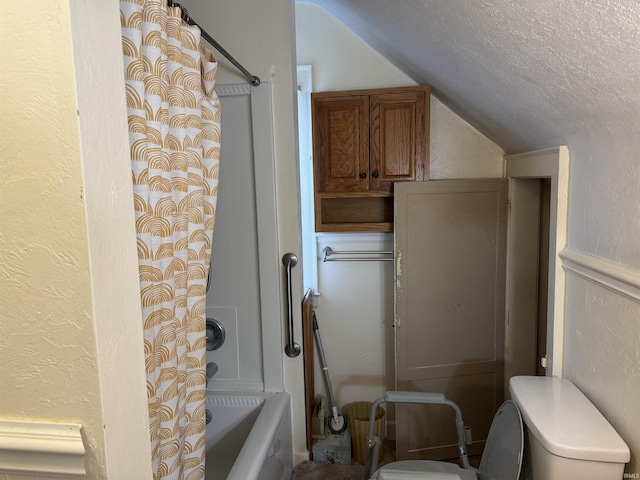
[(529, 74)]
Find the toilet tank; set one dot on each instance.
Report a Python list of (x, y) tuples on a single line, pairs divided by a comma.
[(567, 437)]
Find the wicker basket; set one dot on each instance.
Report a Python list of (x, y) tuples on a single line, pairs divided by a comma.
[(358, 415)]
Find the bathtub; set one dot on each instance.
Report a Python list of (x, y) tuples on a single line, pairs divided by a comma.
[(249, 436)]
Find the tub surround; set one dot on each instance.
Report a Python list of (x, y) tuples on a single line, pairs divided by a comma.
[(250, 436)]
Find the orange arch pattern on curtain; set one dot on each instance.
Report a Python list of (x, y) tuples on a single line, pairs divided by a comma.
[(174, 132)]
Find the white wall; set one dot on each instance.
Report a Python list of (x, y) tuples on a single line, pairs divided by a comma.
[(602, 339), (602, 354), (355, 307), (71, 329)]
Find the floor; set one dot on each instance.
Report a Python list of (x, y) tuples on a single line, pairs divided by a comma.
[(328, 471)]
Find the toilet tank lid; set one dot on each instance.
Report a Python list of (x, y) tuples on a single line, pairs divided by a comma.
[(565, 422)]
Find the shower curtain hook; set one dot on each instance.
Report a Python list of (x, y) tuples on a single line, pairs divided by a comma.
[(183, 9)]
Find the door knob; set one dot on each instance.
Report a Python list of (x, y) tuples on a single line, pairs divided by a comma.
[(375, 174), (363, 175)]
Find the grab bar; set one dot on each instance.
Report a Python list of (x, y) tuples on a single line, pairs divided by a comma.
[(292, 349), (328, 251)]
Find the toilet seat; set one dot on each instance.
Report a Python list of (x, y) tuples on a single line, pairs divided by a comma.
[(501, 459), (423, 470), (502, 455)]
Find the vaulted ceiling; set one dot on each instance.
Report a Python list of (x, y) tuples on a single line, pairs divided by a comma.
[(529, 74)]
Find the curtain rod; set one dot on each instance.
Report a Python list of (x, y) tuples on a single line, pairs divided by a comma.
[(255, 81)]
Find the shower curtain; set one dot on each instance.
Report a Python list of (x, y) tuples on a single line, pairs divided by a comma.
[(174, 133)]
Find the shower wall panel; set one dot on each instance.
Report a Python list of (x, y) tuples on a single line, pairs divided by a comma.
[(240, 259)]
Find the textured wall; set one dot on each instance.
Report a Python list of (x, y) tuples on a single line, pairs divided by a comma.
[(602, 340), (458, 150), (602, 345), (604, 216), (321, 40), (70, 334), (47, 335), (602, 355)]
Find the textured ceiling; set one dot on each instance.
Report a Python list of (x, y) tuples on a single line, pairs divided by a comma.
[(529, 74)]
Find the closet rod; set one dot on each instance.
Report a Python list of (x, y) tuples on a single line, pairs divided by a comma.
[(328, 251), (255, 81)]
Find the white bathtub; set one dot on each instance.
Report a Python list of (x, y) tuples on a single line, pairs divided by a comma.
[(249, 436)]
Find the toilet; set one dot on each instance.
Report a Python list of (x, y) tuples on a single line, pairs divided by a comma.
[(501, 459), (566, 437), (549, 431)]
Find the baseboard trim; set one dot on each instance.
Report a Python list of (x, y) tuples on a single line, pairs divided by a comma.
[(36, 448), (619, 278)]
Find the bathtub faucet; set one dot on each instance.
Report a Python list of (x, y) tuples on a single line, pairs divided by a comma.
[(212, 368)]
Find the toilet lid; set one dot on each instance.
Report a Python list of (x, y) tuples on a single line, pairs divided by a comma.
[(502, 456)]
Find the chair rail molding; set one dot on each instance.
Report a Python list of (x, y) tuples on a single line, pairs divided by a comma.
[(621, 279), (37, 448)]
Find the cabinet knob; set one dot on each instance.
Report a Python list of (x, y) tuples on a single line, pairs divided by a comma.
[(363, 175), (375, 174)]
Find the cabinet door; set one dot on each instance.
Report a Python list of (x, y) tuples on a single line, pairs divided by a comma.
[(341, 143), (399, 138)]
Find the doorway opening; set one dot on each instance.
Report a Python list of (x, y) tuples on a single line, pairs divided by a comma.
[(538, 196), (526, 329)]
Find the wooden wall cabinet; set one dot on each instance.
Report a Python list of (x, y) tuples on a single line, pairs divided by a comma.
[(363, 142)]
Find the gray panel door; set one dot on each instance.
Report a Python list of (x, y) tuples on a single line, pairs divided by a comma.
[(450, 309)]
